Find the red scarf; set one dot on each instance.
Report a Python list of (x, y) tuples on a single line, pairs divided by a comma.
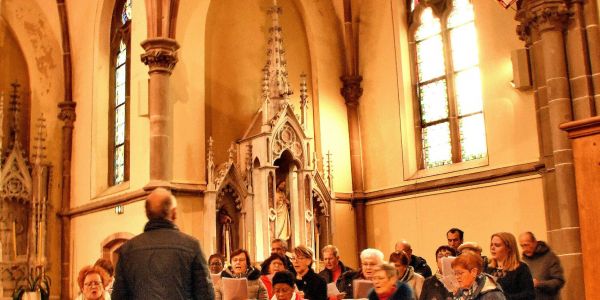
[(387, 295)]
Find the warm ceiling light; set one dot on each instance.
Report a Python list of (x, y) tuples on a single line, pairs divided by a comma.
[(506, 3)]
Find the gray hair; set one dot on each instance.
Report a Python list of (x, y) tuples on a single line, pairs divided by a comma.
[(371, 252), (284, 244), (333, 249), (390, 270)]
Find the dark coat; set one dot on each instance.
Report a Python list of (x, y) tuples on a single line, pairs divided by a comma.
[(289, 265), (433, 288), (345, 283), (420, 266), (162, 263), (403, 292), (516, 284), (313, 286), (328, 275), (545, 267), (487, 289)]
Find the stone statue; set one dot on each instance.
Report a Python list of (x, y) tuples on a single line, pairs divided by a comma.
[(282, 207), (225, 222)]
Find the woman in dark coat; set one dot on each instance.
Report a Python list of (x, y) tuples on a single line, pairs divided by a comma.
[(312, 285), (512, 274), (386, 285)]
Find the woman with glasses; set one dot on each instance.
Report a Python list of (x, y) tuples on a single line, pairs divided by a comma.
[(312, 285), (241, 267), (386, 285), (215, 263), (433, 288), (269, 267), (91, 281), (512, 274), (473, 284)]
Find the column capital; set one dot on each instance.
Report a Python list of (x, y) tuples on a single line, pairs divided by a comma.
[(542, 15), (351, 89), (67, 112), (161, 54)]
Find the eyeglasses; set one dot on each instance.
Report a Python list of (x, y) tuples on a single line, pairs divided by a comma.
[(93, 283), (216, 263)]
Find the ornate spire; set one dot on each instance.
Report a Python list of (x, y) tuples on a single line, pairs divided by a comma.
[(279, 88), (330, 171), (14, 109), (303, 101), (40, 141), (210, 164)]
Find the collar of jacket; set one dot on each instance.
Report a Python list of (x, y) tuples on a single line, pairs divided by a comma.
[(408, 274), (251, 274), (159, 224), (310, 270)]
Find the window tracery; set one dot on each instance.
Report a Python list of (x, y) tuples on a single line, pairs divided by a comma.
[(119, 93), (449, 106)]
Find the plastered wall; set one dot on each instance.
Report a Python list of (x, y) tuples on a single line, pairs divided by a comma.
[(513, 205)]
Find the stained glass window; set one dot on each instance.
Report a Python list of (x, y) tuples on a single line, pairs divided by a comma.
[(450, 106), (126, 12), (120, 40)]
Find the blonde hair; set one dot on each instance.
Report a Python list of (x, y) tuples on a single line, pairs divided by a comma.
[(511, 262)]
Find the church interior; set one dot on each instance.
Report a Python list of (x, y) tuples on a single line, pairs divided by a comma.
[(356, 123)]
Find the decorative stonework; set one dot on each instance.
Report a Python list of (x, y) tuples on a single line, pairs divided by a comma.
[(351, 90), (160, 54), (67, 113), (542, 15), (287, 138)]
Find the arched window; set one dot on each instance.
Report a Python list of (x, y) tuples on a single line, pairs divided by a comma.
[(120, 65), (449, 108)]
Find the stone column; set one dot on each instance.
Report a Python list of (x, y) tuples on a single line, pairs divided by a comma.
[(545, 21), (352, 91), (590, 14), (161, 58), (579, 64)]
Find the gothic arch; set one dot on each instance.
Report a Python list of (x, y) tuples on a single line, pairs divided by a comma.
[(112, 243)]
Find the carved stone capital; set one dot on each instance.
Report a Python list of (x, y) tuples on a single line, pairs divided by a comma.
[(351, 90), (67, 112), (161, 54), (542, 15)]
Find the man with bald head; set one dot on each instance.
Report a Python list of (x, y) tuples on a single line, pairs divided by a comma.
[(162, 262), (546, 270), (418, 263)]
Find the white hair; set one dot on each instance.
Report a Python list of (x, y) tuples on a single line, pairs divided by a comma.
[(374, 253)]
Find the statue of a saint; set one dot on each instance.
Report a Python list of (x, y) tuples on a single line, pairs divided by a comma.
[(225, 222), (282, 207)]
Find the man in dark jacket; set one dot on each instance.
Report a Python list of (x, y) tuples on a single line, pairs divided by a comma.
[(545, 267), (162, 262), (334, 267), (419, 264)]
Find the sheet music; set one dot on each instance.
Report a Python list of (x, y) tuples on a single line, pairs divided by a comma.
[(361, 288), (234, 288)]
